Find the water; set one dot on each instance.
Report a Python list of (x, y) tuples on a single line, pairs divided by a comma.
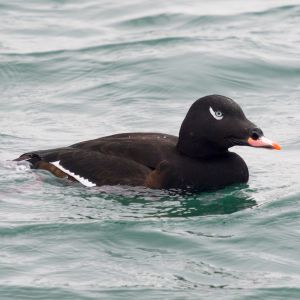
[(77, 70)]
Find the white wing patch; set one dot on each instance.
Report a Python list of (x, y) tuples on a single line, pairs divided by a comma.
[(82, 180)]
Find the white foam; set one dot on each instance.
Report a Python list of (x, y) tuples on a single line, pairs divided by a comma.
[(82, 180)]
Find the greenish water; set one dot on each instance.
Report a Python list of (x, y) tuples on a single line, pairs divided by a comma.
[(77, 70)]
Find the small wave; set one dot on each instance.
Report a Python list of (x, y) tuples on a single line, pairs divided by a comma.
[(294, 9), (8, 136), (162, 19), (110, 46), (215, 19)]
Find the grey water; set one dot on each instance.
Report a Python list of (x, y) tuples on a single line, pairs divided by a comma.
[(77, 70)]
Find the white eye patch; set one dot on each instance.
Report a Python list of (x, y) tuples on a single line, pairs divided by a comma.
[(218, 115)]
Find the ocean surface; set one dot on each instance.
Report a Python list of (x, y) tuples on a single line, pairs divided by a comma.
[(77, 70)]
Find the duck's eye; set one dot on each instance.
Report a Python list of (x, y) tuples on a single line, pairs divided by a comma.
[(218, 115)]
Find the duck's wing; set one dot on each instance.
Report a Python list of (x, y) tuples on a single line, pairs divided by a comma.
[(125, 159), (88, 167)]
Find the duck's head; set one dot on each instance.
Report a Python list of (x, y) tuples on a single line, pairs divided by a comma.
[(215, 123)]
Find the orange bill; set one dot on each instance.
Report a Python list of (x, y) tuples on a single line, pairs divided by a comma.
[(264, 143)]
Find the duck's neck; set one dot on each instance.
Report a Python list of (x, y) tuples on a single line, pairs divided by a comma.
[(198, 148), (193, 141)]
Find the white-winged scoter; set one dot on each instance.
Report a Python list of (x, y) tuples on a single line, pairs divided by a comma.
[(198, 159)]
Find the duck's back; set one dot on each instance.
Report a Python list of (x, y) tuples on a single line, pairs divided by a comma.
[(148, 149)]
